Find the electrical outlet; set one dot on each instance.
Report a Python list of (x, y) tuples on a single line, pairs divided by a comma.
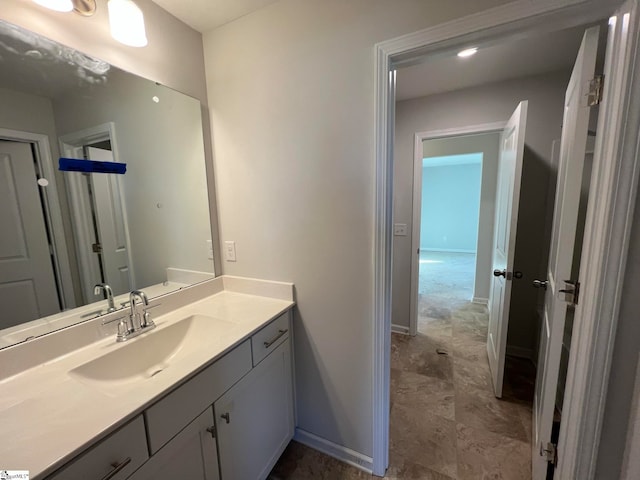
[(230, 251), (209, 249)]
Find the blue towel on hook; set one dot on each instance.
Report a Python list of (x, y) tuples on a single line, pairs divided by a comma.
[(90, 166)]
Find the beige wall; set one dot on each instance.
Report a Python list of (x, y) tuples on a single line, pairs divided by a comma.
[(474, 106), (292, 102)]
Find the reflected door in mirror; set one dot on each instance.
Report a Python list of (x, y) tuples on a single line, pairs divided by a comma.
[(27, 286)]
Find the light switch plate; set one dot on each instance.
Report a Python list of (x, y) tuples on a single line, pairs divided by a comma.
[(400, 229), (230, 251), (209, 249)]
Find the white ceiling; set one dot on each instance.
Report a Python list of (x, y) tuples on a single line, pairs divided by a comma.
[(536, 54), (205, 15), (532, 55)]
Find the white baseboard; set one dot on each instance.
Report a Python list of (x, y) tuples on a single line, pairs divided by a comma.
[(344, 454), (520, 352), (480, 301), (447, 250), (399, 329)]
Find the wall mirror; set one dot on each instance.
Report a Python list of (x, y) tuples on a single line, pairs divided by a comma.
[(64, 232)]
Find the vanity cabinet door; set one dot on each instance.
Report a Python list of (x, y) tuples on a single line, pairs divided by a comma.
[(254, 418), (189, 455), (170, 414)]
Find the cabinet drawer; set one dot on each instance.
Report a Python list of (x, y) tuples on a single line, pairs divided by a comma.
[(267, 340), (116, 457), (167, 417)]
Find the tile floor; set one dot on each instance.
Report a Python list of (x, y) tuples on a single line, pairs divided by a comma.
[(445, 422)]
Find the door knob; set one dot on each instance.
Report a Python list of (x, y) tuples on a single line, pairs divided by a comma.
[(500, 273), (540, 284)]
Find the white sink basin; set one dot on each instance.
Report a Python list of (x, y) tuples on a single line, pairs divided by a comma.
[(150, 354)]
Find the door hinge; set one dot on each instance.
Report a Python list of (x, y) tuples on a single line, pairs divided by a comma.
[(572, 292), (549, 452), (594, 97), (96, 247)]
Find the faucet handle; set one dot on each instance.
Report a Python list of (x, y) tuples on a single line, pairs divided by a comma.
[(123, 328), (146, 317)]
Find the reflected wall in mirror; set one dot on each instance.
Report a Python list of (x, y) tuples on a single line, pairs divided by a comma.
[(63, 233)]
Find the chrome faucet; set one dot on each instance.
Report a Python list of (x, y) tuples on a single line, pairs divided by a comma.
[(138, 322), (108, 293)]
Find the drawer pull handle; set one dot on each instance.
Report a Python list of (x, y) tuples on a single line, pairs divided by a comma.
[(275, 339), (225, 416), (117, 467)]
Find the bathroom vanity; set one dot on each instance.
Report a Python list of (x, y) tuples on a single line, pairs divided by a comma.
[(207, 394)]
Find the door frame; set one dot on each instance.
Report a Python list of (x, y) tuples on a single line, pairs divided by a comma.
[(70, 145), (418, 140), (51, 211), (606, 233)]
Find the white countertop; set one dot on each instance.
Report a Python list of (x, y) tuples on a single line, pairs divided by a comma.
[(48, 416)]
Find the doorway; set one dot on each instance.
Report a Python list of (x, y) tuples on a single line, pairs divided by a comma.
[(449, 221), (54, 261), (454, 220), (28, 275), (99, 214), (534, 271)]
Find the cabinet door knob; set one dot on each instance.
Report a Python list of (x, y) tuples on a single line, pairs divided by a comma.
[(212, 431), (225, 417)]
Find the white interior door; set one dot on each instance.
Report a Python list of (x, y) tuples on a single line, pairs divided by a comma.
[(27, 282), (110, 224), (504, 240), (563, 238)]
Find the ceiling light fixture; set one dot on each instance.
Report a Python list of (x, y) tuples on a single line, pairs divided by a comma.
[(127, 23), (468, 52), (126, 20)]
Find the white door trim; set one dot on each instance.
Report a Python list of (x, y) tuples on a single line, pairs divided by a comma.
[(419, 137), (614, 183), (507, 20), (53, 211)]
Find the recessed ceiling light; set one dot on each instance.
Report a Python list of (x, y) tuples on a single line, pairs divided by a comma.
[(468, 52)]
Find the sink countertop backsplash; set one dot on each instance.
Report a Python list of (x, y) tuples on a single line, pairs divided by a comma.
[(49, 415)]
